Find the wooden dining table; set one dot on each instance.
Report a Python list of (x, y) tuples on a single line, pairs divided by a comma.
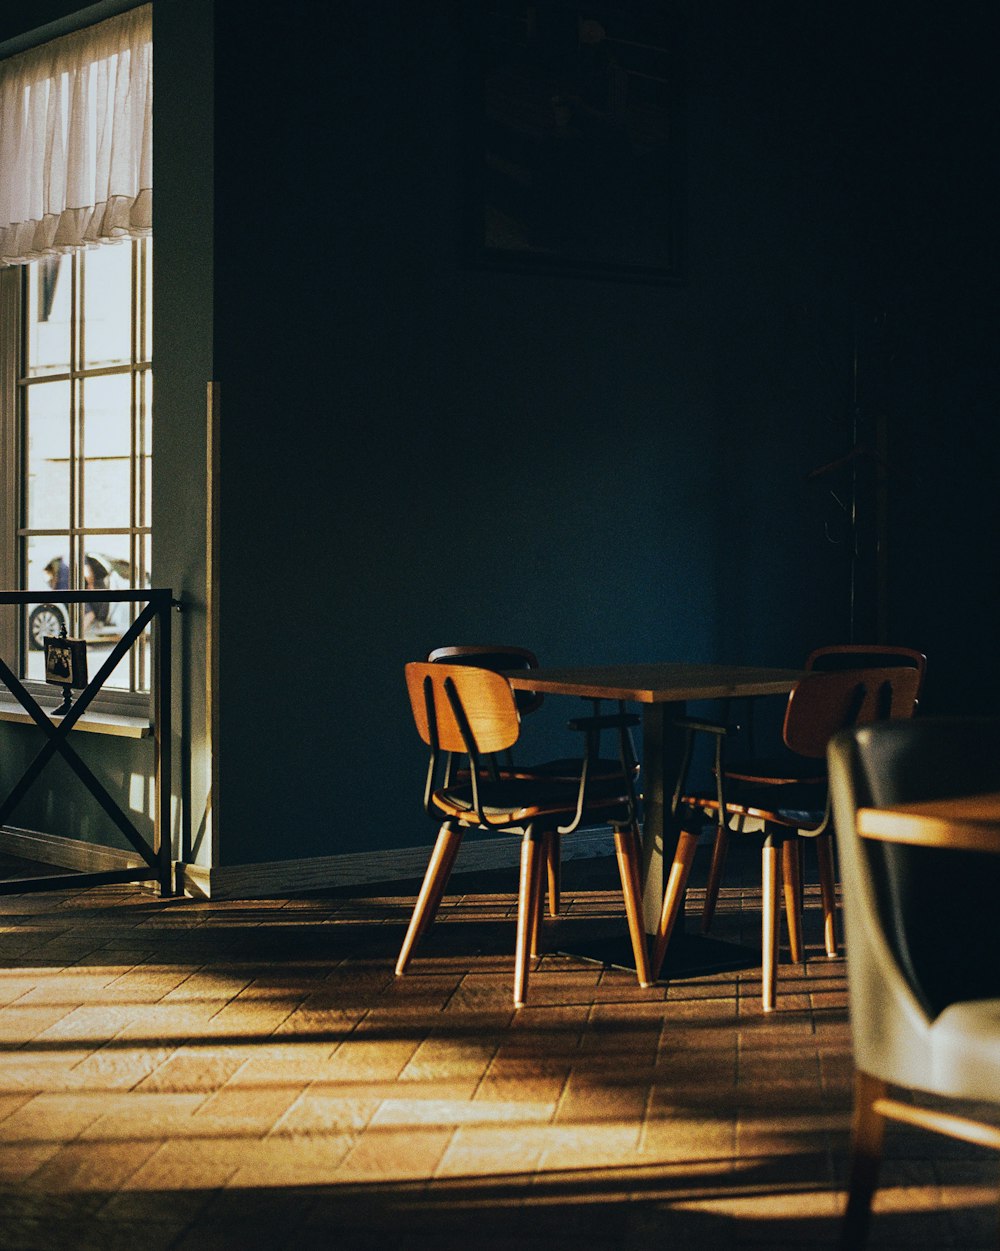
[(663, 689), (962, 822)]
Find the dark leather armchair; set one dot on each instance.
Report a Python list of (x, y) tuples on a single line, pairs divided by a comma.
[(923, 944)]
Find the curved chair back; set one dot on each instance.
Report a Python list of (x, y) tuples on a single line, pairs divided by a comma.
[(920, 922), (867, 655), (497, 656), (823, 703), (461, 709)]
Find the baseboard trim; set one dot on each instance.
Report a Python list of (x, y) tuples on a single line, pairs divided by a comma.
[(281, 877), (64, 853), (284, 877), (368, 868)]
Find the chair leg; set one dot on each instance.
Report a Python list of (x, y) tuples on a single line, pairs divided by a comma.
[(553, 861), (442, 859), (715, 870), (827, 891), (867, 1132), (629, 856), (769, 922), (527, 893), (791, 872), (673, 899), (549, 847)]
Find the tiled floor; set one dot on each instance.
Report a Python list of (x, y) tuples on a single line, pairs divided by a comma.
[(179, 1074)]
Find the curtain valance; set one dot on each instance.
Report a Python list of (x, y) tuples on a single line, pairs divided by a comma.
[(76, 139)]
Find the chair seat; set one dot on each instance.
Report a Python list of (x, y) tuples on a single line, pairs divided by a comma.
[(783, 770), (802, 806), (520, 799), (568, 769)]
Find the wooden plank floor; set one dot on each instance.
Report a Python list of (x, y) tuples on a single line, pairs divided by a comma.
[(193, 1075)]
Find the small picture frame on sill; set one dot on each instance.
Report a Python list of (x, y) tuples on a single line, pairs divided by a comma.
[(66, 663)]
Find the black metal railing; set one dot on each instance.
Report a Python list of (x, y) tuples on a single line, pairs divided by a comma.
[(157, 862)]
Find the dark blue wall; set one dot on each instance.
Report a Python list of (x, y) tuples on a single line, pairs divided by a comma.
[(417, 452), (926, 124)]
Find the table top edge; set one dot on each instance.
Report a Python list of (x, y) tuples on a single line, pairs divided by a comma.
[(665, 682)]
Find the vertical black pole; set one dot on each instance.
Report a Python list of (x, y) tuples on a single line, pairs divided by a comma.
[(163, 742)]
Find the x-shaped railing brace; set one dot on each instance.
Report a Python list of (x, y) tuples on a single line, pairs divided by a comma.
[(57, 736)]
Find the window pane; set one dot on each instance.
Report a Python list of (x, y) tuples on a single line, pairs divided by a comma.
[(47, 422), (47, 568), (106, 567), (148, 344), (107, 307), (145, 509), (50, 291), (107, 448), (144, 651)]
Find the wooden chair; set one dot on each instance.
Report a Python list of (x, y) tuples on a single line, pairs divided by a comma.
[(461, 710), (820, 705), (923, 946), (787, 768), (502, 657)]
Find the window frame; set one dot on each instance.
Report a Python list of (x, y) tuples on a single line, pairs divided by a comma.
[(15, 383)]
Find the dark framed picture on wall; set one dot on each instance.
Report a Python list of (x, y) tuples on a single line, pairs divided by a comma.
[(575, 143)]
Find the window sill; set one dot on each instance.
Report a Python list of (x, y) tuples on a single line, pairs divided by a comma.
[(90, 723)]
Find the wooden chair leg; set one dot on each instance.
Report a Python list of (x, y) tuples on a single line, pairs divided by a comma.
[(554, 865), (526, 897), (673, 899), (538, 890), (827, 891), (769, 922), (715, 870), (791, 872), (442, 859), (627, 849), (867, 1132)]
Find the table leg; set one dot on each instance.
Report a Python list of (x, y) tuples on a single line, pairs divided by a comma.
[(688, 955), (662, 745)]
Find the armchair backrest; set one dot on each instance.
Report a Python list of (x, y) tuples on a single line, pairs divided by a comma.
[(823, 703), (920, 922)]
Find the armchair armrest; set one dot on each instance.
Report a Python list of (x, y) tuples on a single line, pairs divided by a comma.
[(592, 727), (720, 731)]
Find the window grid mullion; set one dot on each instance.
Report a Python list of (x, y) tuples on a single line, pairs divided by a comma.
[(134, 340), (77, 418)]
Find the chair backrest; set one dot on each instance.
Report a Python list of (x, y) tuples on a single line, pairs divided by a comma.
[(920, 922), (866, 655), (823, 703), (497, 656), (444, 696)]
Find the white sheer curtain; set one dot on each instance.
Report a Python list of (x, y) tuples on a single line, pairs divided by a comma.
[(76, 139)]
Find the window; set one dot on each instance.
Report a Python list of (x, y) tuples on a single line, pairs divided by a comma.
[(76, 379), (82, 410)]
